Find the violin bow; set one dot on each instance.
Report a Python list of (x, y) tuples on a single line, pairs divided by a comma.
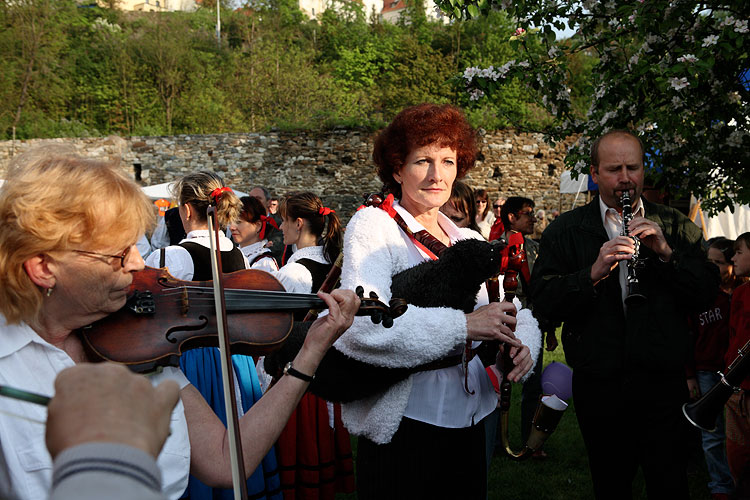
[(239, 481)]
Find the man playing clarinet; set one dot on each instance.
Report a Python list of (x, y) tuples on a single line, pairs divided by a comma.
[(625, 333)]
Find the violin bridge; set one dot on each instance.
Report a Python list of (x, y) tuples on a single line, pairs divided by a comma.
[(184, 301)]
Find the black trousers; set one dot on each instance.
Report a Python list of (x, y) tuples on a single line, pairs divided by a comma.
[(423, 461), (631, 421)]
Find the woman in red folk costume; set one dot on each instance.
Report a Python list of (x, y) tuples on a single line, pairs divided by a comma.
[(314, 451), (424, 436)]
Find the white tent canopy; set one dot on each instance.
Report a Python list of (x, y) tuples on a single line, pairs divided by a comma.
[(568, 185), (164, 190), (727, 224)]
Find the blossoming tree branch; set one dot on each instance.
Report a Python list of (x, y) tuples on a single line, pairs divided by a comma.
[(677, 72)]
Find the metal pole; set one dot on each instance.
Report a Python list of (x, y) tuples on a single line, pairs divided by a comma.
[(218, 23)]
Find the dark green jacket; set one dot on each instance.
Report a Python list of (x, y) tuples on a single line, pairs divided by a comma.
[(597, 337)]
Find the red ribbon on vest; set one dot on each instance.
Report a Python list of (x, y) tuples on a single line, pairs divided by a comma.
[(266, 220)]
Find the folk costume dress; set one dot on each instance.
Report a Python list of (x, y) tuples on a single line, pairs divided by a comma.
[(190, 260), (427, 426), (314, 449)]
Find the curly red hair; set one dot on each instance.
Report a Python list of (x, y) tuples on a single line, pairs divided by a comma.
[(419, 126)]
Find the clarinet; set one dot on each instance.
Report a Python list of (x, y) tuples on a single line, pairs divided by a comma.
[(634, 295)]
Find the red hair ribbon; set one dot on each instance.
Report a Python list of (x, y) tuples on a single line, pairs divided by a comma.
[(325, 211), (216, 193), (266, 220)]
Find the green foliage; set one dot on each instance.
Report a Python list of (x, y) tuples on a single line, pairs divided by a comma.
[(678, 73), (100, 71)]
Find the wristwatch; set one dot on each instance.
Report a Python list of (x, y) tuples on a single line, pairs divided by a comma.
[(289, 370)]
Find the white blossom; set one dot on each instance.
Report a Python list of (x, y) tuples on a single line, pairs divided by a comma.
[(727, 21), (676, 102), (476, 94), (710, 40), (553, 52), (732, 123), (679, 83), (523, 64), (600, 91), (735, 138), (580, 165), (687, 58), (741, 26), (633, 60), (607, 116)]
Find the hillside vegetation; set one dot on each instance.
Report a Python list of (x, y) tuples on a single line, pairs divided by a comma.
[(86, 71)]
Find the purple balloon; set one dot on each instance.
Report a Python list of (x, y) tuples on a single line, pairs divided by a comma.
[(557, 379)]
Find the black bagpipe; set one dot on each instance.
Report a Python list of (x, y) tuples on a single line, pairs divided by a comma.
[(451, 281), (704, 412)]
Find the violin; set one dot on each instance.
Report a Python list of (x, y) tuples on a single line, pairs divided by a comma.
[(164, 317)]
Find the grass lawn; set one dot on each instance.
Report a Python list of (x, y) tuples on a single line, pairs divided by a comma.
[(565, 474)]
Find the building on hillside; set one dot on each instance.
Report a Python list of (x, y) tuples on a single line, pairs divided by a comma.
[(313, 8), (152, 5), (393, 9)]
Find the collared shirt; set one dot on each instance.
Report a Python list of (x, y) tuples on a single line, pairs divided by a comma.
[(178, 260), (437, 396), (252, 251), (29, 362), (612, 221)]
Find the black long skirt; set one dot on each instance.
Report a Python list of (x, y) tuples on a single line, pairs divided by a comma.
[(424, 461)]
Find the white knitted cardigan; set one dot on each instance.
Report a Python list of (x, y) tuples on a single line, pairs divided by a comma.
[(374, 250)]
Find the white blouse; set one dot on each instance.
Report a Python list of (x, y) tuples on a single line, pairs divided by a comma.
[(252, 251)]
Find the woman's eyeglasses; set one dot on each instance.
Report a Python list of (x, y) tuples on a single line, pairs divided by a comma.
[(497, 206), (121, 257)]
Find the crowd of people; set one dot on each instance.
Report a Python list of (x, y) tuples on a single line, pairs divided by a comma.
[(635, 361)]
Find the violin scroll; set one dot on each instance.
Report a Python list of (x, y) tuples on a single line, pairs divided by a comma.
[(378, 311)]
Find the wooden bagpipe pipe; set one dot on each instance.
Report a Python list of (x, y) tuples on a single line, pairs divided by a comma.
[(550, 408)]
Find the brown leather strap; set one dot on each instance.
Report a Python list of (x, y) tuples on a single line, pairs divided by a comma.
[(441, 363)]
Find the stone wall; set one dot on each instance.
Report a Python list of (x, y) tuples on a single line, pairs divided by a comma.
[(336, 165)]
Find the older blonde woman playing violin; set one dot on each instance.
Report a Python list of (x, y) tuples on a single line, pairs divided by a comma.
[(67, 257)]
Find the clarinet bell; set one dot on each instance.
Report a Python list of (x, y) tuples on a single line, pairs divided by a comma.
[(634, 296)]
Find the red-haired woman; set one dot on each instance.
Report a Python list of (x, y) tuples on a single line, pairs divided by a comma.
[(249, 232), (314, 454), (423, 437)]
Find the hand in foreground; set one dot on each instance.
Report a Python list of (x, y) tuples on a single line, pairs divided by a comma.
[(652, 236), (105, 402), (522, 362), (342, 306), (610, 254), (494, 321)]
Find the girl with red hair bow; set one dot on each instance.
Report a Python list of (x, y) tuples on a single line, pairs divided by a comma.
[(249, 232)]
